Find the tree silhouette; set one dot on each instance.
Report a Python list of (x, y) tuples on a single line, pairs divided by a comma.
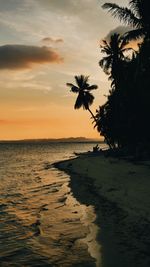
[(111, 118), (123, 119), (113, 61), (85, 98), (136, 16)]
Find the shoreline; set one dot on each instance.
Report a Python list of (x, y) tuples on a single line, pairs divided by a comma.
[(119, 192)]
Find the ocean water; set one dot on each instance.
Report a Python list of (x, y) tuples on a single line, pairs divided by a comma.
[(41, 222)]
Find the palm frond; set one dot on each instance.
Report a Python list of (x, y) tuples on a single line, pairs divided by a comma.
[(141, 9), (78, 80), (86, 79), (81, 80), (112, 83), (105, 63), (105, 49), (87, 100), (104, 43), (134, 35), (84, 98), (70, 84), (123, 42), (135, 5), (92, 87), (115, 42), (102, 62), (124, 14), (79, 102), (74, 89)]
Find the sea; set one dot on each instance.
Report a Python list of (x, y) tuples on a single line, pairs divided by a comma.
[(41, 222)]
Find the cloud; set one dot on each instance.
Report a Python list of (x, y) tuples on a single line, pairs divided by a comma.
[(52, 40), (36, 86), (70, 6), (23, 56)]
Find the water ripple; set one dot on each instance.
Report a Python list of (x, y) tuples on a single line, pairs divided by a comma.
[(41, 223)]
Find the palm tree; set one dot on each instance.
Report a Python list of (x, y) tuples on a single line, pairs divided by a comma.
[(110, 118), (82, 88), (134, 109), (114, 58), (137, 17)]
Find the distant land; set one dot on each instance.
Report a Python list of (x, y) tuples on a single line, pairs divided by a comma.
[(56, 140)]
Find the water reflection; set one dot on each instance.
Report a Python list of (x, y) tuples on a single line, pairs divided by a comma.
[(91, 237), (42, 224)]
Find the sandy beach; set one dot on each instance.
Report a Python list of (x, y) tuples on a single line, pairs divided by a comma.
[(119, 191)]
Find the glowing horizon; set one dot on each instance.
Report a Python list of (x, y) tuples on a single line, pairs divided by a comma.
[(43, 44)]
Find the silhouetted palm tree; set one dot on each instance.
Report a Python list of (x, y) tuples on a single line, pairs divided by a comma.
[(137, 16), (123, 119), (84, 98), (110, 118), (114, 51)]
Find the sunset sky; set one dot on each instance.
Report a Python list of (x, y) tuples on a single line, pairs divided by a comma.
[(43, 44)]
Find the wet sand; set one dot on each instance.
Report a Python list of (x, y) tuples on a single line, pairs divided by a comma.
[(119, 191)]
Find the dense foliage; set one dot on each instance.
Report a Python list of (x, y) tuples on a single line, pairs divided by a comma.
[(124, 119)]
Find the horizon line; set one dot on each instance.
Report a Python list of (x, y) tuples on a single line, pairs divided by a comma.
[(52, 139)]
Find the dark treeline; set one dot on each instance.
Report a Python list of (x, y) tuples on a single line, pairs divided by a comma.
[(124, 119)]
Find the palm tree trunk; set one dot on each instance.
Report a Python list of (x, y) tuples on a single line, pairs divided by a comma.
[(92, 114)]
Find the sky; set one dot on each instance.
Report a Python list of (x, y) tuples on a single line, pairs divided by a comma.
[(43, 45)]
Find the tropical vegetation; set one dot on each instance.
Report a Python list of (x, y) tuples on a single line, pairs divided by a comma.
[(85, 98), (124, 119)]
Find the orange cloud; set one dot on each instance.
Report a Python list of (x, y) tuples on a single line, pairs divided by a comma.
[(52, 40), (24, 56)]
